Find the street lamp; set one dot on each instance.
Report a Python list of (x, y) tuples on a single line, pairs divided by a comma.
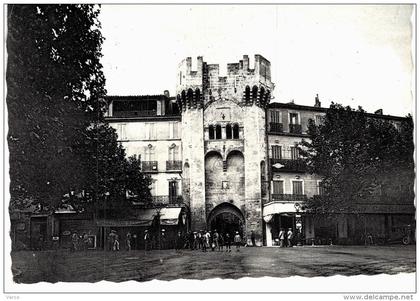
[(298, 224)]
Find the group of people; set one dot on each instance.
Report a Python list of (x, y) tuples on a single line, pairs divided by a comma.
[(114, 242), (207, 240), (81, 242), (285, 238)]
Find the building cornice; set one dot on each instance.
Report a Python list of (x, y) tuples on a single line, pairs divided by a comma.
[(145, 118)]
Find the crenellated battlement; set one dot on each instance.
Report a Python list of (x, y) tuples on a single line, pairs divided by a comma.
[(240, 83)]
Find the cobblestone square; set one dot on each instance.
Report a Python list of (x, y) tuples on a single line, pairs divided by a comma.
[(93, 266)]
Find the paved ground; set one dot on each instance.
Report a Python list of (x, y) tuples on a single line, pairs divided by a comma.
[(92, 266)]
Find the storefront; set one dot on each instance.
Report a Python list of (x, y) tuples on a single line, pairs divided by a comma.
[(162, 224), (285, 216)]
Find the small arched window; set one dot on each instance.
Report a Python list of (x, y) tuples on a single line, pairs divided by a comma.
[(262, 94), (254, 93), (211, 132), (228, 131), (268, 97), (247, 94), (197, 95), (235, 131), (190, 95), (183, 95), (218, 131)]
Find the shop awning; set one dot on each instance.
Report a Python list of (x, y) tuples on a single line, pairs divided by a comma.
[(145, 217), (279, 208), (122, 223), (170, 216)]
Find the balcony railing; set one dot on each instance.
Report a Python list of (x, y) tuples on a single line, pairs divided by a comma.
[(295, 128), (134, 113), (275, 127), (287, 198), (173, 165), (149, 166), (288, 165), (167, 199)]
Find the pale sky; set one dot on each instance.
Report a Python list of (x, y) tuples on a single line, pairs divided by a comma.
[(354, 55)]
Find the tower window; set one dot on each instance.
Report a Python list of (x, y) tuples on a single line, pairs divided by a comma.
[(190, 95), (218, 131), (197, 95), (235, 131), (211, 132), (228, 131), (247, 94), (262, 94), (254, 93)]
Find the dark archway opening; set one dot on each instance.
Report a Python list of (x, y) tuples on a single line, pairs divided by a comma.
[(226, 218), (227, 222)]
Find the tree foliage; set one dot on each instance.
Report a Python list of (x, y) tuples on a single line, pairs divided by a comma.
[(110, 175), (359, 157), (55, 101)]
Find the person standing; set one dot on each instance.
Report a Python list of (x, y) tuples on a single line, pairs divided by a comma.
[(228, 242), (147, 241), (203, 242), (281, 237), (128, 241), (116, 243), (85, 241), (178, 241), (113, 239), (253, 238), (207, 239), (221, 242), (216, 239), (200, 240), (289, 237), (74, 241), (162, 239), (192, 240), (237, 240)]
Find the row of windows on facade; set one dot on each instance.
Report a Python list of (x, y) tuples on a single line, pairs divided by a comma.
[(150, 153), (167, 130), (173, 188), (232, 131), (278, 152), (294, 118), (297, 187)]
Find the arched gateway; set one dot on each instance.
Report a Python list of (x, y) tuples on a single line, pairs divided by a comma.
[(226, 218)]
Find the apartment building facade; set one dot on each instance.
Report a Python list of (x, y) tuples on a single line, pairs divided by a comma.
[(220, 148)]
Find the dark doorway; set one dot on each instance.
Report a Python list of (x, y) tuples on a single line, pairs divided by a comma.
[(226, 218), (38, 232), (227, 222), (282, 222), (286, 222)]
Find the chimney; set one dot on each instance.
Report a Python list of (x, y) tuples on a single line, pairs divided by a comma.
[(166, 93), (317, 102), (245, 62), (379, 112)]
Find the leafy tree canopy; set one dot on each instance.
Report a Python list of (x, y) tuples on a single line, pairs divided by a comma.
[(55, 101), (359, 156)]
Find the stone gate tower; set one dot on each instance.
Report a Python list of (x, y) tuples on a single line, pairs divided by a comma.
[(224, 143)]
